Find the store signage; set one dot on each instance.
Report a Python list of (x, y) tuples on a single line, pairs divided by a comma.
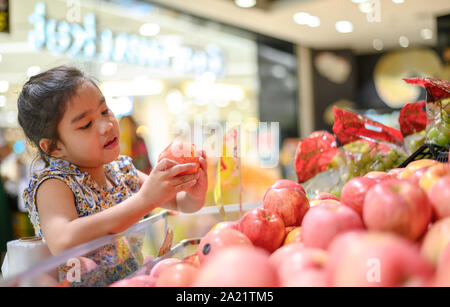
[(4, 16), (84, 41)]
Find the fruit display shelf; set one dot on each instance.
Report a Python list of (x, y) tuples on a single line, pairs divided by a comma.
[(428, 151)]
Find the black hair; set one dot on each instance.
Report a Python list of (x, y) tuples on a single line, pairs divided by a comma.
[(42, 103)]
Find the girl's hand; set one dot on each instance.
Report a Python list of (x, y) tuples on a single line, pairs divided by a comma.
[(198, 190), (162, 184)]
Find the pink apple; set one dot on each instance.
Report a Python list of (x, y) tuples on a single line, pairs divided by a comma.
[(238, 266), (436, 239), (354, 192), (443, 268), (396, 172), (439, 196), (162, 266), (278, 256), (326, 220), (324, 196), (137, 281), (288, 199), (398, 206), (380, 176), (375, 259), (178, 275), (264, 228), (219, 239), (295, 263), (310, 277)]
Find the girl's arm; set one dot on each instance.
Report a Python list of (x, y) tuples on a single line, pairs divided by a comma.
[(63, 229)]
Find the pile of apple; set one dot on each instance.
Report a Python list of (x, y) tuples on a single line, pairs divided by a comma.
[(387, 229)]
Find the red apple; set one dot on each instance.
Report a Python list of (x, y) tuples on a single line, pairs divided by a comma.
[(396, 172), (326, 220), (433, 174), (182, 153), (354, 192), (217, 240), (439, 196), (443, 268), (417, 175), (373, 259), (436, 239), (294, 236), (288, 200), (238, 266), (324, 196), (265, 229), (416, 165), (222, 225), (178, 275), (397, 206)]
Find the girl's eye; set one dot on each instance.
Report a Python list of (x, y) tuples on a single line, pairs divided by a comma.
[(105, 112), (87, 126)]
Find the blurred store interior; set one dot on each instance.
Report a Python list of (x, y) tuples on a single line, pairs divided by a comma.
[(163, 63)]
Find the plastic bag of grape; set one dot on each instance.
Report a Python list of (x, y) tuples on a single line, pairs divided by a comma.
[(413, 124), (368, 145), (438, 109)]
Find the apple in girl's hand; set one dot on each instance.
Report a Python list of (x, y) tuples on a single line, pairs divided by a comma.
[(397, 206), (324, 196), (374, 259), (288, 199), (439, 196), (326, 220), (162, 266), (219, 239), (354, 192), (238, 266), (182, 153), (264, 228), (178, 275), (436, 239), (433, 174), (293, 236)]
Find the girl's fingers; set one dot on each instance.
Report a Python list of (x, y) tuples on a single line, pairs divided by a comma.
[(185, 185), (165, 164), (203, 164), (180, 168), (183, 179)]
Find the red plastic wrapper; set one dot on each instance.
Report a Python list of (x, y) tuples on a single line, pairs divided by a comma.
[(413, 118), (438, 109), (350, 127), (314, 154)]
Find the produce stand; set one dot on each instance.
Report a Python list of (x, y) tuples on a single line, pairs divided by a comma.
[(150, 231)]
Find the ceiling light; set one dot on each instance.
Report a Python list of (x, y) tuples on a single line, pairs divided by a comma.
[(2, 101), (302, 18), (1, 58), (426, 34), (245, 3), (314, 21), (120, 106), (138, 87), (109, 69), (398, 1), (365, 7), (344, 26), (4, 86), (33, 71), (403, 41), (359, 1), (150, 29), (174, 101), (378, 44)]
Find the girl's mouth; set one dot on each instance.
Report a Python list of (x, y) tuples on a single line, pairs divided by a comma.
[(112, 144)]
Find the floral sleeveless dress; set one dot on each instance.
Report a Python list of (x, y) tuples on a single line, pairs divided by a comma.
[(114, 261)]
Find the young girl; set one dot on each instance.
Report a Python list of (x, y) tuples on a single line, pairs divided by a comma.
[(87, 190)]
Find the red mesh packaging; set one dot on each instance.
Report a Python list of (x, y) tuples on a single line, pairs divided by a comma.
[(438, 109), (413, 124), (314, 154)]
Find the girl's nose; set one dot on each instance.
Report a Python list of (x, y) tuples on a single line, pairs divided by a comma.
[(105, 127)]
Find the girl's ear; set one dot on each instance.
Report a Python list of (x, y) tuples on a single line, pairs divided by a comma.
[(46, 146)]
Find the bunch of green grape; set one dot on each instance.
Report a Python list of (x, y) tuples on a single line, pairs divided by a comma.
[(414, 141), (439, 133), (364, 158)]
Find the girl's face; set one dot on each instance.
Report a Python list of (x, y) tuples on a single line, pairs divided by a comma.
[(89, 132)]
